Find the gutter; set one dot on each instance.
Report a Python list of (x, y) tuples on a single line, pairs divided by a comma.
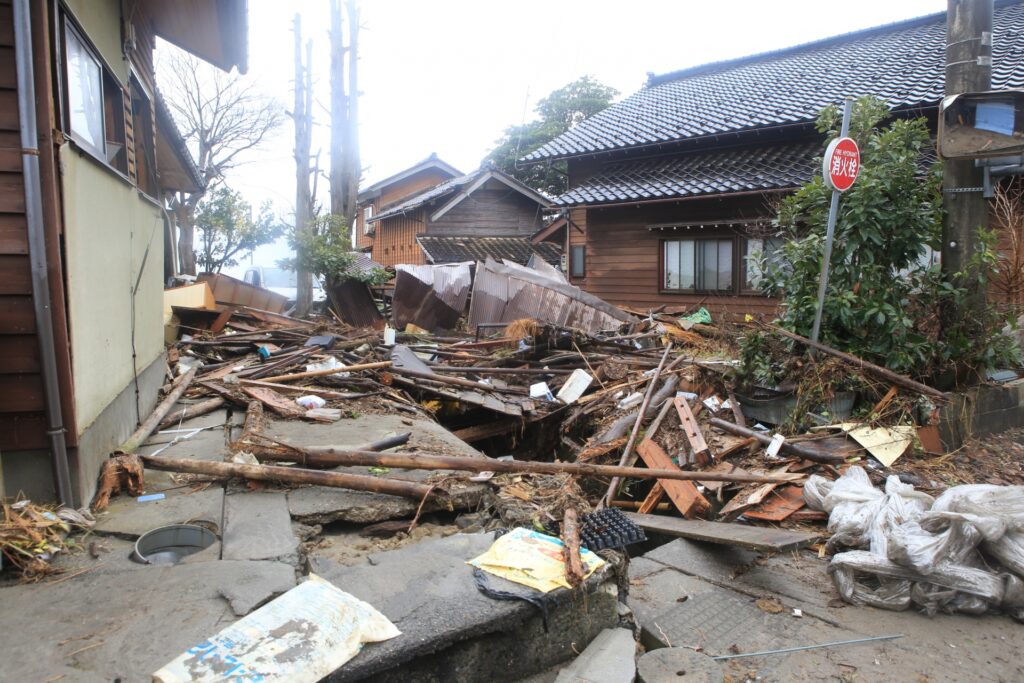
[(37, 250)]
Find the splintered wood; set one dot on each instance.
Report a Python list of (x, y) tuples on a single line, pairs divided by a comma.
[(683, 494), (701, 452)]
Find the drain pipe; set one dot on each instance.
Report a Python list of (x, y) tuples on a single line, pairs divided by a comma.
[(37, 249)]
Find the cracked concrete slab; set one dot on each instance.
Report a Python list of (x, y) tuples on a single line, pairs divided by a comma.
[(324, 505), (452, 631), (126, 517), (115, 624), (257, 526)]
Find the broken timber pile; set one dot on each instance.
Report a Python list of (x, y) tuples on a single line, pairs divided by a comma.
[(633, 412)]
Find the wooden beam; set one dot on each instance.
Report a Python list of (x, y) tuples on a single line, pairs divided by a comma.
[(701, 452), (683, 494), (760, 539)]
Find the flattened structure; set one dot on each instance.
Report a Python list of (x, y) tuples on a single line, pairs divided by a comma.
[(503, 293), (431, 297)]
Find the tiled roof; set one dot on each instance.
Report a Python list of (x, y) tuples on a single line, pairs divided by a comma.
[(436, 192), (431, 162), (450, 187), (901, 63), (738, 169), (459, 249), (365, 264)]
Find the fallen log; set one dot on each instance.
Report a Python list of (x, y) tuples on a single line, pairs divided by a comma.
[(290, 475), (574, 572), (149, 425), (317, 391), (324, 373), (281, 452), (328, 456), (787, 446), (871, 368), (194, 410)]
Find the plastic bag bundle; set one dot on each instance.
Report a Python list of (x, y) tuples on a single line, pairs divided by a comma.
[(937, 555)]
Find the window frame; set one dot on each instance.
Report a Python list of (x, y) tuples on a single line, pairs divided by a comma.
[(66, 23), (367, 215), (738, 264), (744, 239), (583, 261)]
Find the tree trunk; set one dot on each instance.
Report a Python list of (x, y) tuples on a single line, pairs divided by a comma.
[(186, 235), (303, 117), (339, 113), (352, 167)]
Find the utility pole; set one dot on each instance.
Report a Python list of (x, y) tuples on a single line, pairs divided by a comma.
[(303, 117), (968, 69)]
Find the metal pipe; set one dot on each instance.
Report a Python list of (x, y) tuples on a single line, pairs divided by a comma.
[(37, 249), (808, 647)]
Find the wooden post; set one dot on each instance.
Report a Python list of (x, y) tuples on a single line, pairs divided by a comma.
[(290, 475), (574, 572), (158, 414)]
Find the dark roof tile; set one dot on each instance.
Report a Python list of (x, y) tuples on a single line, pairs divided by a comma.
[(459, 249), (902, 63)]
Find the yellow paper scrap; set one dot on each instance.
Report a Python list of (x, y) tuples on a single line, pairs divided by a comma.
[(532, 559), (887, 444)]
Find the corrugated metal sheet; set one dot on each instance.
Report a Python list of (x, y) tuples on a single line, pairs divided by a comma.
[(354, 304), (431, 297), (503, 293)]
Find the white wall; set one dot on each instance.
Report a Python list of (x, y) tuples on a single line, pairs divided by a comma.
[(108, 227)]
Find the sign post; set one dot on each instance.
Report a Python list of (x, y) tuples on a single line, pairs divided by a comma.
[(840, 168)]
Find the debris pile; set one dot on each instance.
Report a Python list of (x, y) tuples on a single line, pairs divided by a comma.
[(32, 535)]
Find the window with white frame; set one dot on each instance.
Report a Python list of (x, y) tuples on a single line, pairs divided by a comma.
[(698, 264), (367, 215), (759, 253), (85, 92), (728, 264), (94, 102)]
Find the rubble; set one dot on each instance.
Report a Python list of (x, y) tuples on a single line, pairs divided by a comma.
[(548, 410)]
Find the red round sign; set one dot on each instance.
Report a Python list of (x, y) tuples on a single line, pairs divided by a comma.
[(841, 164)]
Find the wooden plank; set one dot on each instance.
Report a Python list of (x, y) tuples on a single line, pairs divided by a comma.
[(23, 431), (19, 353), (778, 506), (17, 315), (886, 400), (486, 430), (701, 452), (683, 494), (15, 274), (275, 401), (13, 234), (652, 499), (760, 539), (22, 393), (9, 110)]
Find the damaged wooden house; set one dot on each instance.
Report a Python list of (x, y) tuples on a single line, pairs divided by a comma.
[(672, 190), (88, 154), (431, 214)]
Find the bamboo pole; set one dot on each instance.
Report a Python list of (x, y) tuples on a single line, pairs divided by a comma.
[(290, 475), (323, 373), (149, 425), (194, 410), (614, 484), (327, 456), (871, 368), (787, 446)]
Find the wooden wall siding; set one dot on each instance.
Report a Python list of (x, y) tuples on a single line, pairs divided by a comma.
[(395, 240), (489, 213), (22, 424), (392, 194), (623, 263)]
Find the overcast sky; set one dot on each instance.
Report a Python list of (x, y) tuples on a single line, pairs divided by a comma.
[(447, 76)]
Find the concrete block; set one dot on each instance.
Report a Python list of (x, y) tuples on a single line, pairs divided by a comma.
[(108, 625), (671, 664), (451, 631), (610, 658), (128, 518), (257, 526)]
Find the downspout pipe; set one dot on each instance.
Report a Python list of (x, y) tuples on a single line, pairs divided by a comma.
[(37, 249)]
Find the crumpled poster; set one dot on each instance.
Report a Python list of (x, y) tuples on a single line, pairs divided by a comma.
[(299, 637), (532, 559)]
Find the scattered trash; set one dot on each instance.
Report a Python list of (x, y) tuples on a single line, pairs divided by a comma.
[(310, 402), (532, 559), (579, 381), (302, 636), (151, 497), (31, 535)]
